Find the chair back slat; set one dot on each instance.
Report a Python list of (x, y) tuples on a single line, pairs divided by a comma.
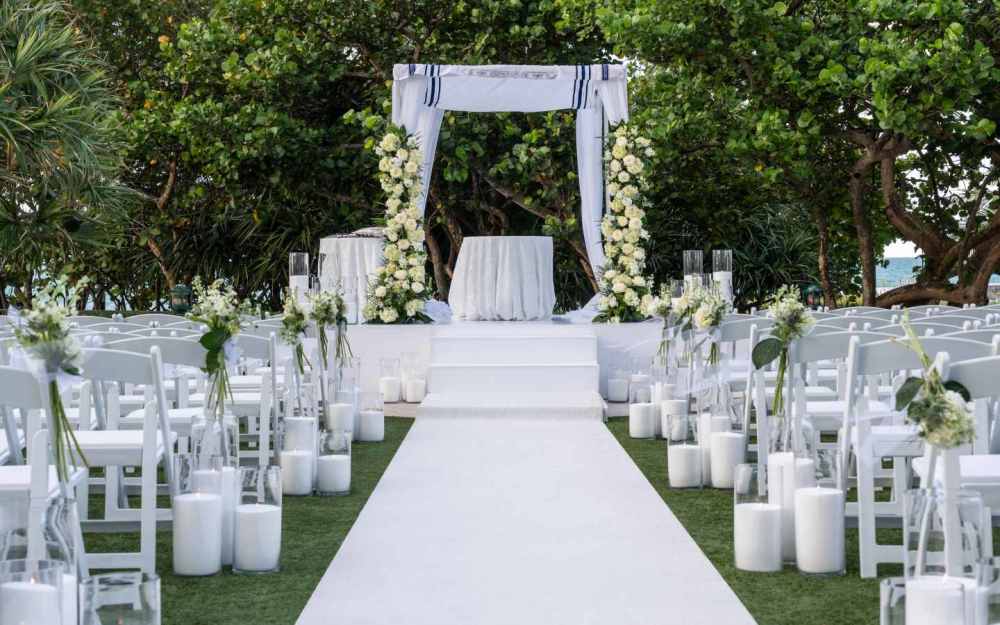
[(120, 366), (980, 376)]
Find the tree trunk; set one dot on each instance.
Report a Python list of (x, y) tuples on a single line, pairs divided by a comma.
[(441, 280), (863, 226), (823, 257)]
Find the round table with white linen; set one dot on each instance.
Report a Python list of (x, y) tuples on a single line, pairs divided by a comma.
[(349, 263), (503, 278)]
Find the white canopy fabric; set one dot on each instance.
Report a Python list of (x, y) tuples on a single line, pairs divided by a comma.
[(422, 92)]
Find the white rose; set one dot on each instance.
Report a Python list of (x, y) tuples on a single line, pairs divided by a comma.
[(380, 291), (624, 177), (616, 167), (618, 151), (396, 172), (411, 167), (399, 274), (416, 287), (389, 315), (619, 287)]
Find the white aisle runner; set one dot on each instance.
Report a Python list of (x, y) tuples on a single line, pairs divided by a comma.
[(518, 522)]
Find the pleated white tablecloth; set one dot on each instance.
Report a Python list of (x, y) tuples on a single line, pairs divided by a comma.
[(350, 263), (503, 278)]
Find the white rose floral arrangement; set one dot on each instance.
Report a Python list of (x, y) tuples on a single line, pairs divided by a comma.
[(400, 289), (624, 288), (792, 320)]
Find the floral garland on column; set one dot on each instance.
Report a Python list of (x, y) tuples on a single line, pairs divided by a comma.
[(400, 288), (624, 288)]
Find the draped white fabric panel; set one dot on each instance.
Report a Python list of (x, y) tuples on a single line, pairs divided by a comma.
[(422, 92)]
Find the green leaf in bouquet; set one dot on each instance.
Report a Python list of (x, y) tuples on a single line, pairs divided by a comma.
[(766, 352), (907, 392)]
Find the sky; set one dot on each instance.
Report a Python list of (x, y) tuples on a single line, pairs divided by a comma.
[(900, 249)]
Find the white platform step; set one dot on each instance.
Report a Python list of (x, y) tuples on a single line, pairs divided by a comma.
[(523, 405), (509, 350), (513, 329), (514, 378)]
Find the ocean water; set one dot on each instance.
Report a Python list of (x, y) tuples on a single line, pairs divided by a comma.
[(900, 271)]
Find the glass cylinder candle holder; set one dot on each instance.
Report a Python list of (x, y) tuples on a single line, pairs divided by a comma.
[(333, 466), (372, 417), (892, 601), (684, 455), (128, 598), (298, 273), (32, 593), (923, 524), (203, 514), (722, 273), (640, 382), (389, 381), (323, 272), (258, 521), (756, 523), (342, 411), (693, 263), (618, 386)]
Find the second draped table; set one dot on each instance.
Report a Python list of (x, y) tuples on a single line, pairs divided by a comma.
[(503, 279), (350, 262)]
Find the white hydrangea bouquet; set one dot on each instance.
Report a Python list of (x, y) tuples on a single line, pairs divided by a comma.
[(327, 309), (294, 324), (707, 317), (792, 320), (624, 288), (660, 307), (400, 288), (43, 333), (217, 308)]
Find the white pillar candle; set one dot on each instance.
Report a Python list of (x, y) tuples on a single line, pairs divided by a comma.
[(787, 474), (300, 433), (819, 530), (372, 425), (416, 389), (299, 285), (708, 424), (932, 600), (197, 538), (641, 420), (70, 599), (340, 417), (333, 473), (618, 390), (726, 451), (258, 537), (684, 466), (670, 410), (657, 399), (230, 493), (757, 537), (296, 472), (724, 281), (29, 603), (390, 387)]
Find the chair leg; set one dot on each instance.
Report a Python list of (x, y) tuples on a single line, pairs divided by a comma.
[(866, 511), (147, 523)]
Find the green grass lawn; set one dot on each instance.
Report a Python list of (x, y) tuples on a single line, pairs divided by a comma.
[(786, 598), (314, 528)]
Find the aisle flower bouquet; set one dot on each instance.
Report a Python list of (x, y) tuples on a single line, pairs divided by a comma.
[(660, 307), (623, 287), (294, 324), (707, 316), (327, 309), (217, 308), (792, 319), (400, 288), (943, 419), (43, 332)]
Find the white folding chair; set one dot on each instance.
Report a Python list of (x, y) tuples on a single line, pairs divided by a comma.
[(868, 444), (146, 448)]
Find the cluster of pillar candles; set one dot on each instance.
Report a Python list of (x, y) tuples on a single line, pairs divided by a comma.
[(402, 380), (787, 519)]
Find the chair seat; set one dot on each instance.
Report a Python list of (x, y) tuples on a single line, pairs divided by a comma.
[(247, 382), (17, 479), (836, 409), (979, 472), (116, 447), (813, 393), (893, 441), (242, 404), (180, 419)]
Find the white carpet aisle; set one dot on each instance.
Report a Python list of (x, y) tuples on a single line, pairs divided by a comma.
[(515, 521)]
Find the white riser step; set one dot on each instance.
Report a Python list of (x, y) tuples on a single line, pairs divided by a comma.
[(518, 406), (512, 329), (513, 350), (520, 378)]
